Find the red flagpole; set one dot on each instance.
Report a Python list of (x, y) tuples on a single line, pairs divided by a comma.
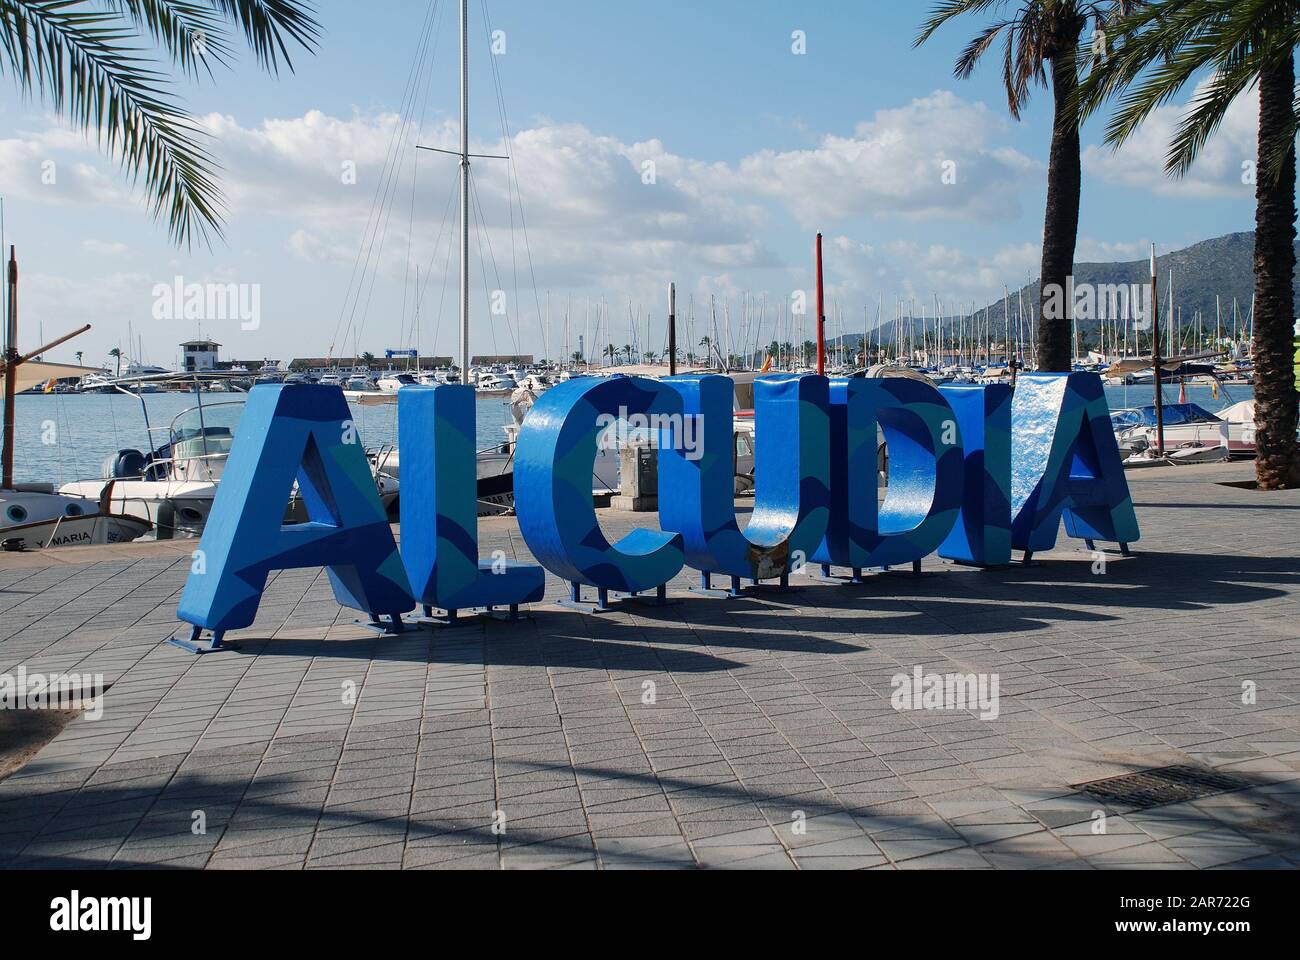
[(821, 314)]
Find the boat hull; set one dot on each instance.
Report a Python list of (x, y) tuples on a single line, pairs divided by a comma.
[(86, 530)]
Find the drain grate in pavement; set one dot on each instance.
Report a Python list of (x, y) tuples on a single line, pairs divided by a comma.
[(1162, 785)]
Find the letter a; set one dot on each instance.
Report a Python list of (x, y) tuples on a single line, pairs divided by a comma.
[(289, 431), (1065, 461)]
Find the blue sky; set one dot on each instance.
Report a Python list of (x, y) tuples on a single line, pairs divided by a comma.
[(754, 149)]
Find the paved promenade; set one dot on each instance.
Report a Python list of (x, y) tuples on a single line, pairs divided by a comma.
[(751, 733)]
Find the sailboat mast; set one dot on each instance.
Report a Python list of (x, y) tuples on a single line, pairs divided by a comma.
[(1155, 358), (464, 191), (11, 372), (672, 329)]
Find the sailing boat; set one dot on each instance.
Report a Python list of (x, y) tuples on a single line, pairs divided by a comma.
[(495, 464), (32, 516)]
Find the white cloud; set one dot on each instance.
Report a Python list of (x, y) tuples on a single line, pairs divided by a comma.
[(105, 248), (1217, 171), (1089, 250), (896, 163), (595, 225), (909, 269), (42, 167), (592, 219)]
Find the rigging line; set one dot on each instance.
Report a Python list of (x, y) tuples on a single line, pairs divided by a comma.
[(381, 233), (410, 238), (446, 267), (419, 57), (442, 296), (447, 217), (410, 235), (496, 273), (478, 236), (514, 169), (377, 232), (381, 237), (389, 179), (484, 234), (511, 184)]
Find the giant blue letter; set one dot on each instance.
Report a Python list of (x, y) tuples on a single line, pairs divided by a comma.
[(1065, 460), (553, 468), (982, 534), (791, 476), (437, 428), (286, 431), (925, 471)]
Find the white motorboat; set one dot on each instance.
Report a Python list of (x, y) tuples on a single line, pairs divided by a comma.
[(35, 519), (173, 486), (495, 384), (101, 382), (366, 392), (362, 390), (1186, 426), (395, 381)]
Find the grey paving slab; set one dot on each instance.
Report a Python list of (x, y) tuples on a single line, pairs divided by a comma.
[(769, 741)]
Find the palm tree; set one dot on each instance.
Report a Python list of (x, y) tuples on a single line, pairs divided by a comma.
[(576, 356), (1039, 33), (1243, 44), (116, 354), (102, 65)]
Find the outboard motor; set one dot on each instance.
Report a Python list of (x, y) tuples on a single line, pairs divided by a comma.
[(124, 464)]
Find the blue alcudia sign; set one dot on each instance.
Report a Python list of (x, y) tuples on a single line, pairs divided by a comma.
[(975, 472)]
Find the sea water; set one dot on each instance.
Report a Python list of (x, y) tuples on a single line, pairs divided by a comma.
[(65, 437)]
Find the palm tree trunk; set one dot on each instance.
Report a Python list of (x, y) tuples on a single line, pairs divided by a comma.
[(1061, 222), (1277, 464)]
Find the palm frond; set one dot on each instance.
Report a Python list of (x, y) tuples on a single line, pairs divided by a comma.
[(189, 32), (86, 66), (1038, 32), (268, 25), (1165, 46), (970, 56), (95, 62), (945, 10), (1208, 108)]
